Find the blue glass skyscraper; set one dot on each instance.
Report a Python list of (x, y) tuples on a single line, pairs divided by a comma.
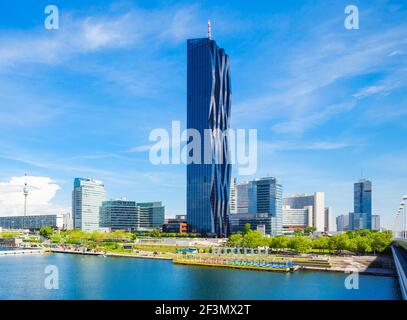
[(362, 205), (266, 198), (208, 110)]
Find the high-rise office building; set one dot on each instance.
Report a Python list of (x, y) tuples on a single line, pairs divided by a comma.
[(120, 215), (87, 198), (342, 222), (363, 204), (242, 195), (208, 112), (233, 197), (317, 202), (376, 222), (266, 198), (328, 217), (152, 215)]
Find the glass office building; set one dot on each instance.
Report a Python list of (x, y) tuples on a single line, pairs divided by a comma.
[(238, 222), (363, 204), (266, 197), (208, 112), (120, 215), (152, 215), (87, 198)]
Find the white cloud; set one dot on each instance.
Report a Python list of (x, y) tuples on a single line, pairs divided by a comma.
[(314, 145), (41, 191), (297, 93), (76, 36)]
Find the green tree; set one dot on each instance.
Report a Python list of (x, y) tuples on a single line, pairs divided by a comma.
[(253, 239), (298, 232), (380, 241), (279, 242), (236, 240), (155, 233), (363, 244), (300, 244), (321, 243), (46, 232), (309, 230), (247, 228)]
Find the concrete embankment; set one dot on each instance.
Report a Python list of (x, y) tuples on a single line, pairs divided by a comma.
[(109, 254), (21, 252)]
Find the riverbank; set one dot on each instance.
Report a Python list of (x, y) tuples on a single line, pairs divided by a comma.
[(96, 278), (21, 252), (369, 265)]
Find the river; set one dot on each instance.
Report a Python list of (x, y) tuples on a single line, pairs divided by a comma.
[(97, 277)]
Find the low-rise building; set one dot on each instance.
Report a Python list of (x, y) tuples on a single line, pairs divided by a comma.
[(32, 222), (181, 228)]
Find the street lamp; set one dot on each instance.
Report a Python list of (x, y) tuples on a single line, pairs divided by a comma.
[(405, 215), (396, 233), (403, 219)]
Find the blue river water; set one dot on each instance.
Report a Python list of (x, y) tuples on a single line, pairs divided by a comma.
[(96, 277)]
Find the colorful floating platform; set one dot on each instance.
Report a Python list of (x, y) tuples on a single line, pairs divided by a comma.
[(276, 267)]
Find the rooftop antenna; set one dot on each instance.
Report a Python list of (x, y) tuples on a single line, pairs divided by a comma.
[(25, 192), (209, 30)]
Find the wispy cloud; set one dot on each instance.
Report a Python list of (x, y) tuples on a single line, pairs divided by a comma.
[(294, 145), (303, 92)]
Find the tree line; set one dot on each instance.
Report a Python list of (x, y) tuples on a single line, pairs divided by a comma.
[(359, 242)]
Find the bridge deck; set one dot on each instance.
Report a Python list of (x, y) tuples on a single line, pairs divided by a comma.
[(400, 258)]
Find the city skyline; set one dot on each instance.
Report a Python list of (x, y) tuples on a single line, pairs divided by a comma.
[(79, 112)]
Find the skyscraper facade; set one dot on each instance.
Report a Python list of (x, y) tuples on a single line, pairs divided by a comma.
[(266, 198), (233, 197), (242, 197), (376, 222), (342, 222), (363, 204), (208, 112), (87, 198), (152, 214)]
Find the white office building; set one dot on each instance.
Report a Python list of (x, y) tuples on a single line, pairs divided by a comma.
[(296, 218), (376, 222), (87, 198), (318, 218), (233, 197)]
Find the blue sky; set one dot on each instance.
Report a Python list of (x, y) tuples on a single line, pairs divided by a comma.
[(328, 103)]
